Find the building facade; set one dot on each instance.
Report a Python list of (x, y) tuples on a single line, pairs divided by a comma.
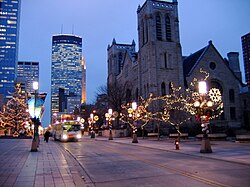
[(66, 71), (9, 33), (84, 97), (27, 73), (245, 40), (153, 70), (159, 63)]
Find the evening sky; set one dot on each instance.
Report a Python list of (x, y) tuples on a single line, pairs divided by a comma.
[(99, 21)]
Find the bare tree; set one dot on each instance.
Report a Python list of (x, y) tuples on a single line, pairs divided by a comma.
[(110, 96)]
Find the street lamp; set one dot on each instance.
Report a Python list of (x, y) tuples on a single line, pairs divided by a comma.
[(109, 120), (109, 117), (205, 103), (35, 120), (133, 115), (92, 120)]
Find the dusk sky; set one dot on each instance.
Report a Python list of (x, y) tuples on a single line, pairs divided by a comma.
[(99, 21)]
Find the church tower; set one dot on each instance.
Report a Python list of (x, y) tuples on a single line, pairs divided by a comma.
[(116, 57), (160, 56)]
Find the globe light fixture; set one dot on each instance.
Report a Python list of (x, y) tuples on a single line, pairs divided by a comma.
[(109, 117), (202, 87), (206, 102), (35, 119)]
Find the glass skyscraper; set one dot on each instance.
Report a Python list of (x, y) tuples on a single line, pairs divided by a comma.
[(27, 73), (9, 31), (245, 40), (66, 71)]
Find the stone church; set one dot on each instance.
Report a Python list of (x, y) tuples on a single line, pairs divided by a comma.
[(159, 62)]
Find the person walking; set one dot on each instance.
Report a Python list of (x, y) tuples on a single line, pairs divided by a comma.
[(46, 136)]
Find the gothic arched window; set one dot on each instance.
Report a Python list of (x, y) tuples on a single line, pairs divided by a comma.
[(216, 84), (168, 28), (143, 32), (163, 89), (231, 95), (146, 31), (158, 27), (120, 58)]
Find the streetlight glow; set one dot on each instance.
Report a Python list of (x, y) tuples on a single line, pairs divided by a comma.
[(35, 85), (110, 111), (202, 87), (134, 105), (92, 116)]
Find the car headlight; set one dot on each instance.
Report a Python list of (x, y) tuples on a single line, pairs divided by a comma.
[(65, 137), (78, 136)]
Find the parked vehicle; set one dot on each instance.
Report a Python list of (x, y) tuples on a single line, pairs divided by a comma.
[(67, 131)]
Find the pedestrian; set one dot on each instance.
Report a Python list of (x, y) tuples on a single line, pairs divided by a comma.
[(46, 136)]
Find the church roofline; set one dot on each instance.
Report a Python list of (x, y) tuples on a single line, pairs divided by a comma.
[(120, 44), (174, 2), (191, 61)]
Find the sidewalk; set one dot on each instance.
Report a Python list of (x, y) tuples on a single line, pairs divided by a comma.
[(230, 151), (54, 167), (50, 166)]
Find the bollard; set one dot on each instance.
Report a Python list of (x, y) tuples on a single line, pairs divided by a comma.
[(176, 145)]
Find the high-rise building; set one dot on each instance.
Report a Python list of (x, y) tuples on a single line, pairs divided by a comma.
[(66, 71), (83, 80), (246, 56), (27, 73), (9, 31)]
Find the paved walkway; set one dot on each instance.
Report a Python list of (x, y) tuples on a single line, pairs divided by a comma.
[(54, 167), (50, 166)]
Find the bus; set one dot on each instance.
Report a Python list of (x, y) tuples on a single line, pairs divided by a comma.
[(67, 131)]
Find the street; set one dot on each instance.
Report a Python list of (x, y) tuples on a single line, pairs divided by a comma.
[(119, 163), (109, 163)]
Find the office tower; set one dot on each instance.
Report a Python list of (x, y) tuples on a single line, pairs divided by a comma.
[(83, 80), (9, 31), (27, 73), (246, 56), (66, 72)]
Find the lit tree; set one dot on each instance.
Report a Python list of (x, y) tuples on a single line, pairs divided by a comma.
[(178, 107), (141, 114), (15, 114), (177, 104)]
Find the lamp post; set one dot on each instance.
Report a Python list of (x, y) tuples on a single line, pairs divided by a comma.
[(205, 104), (109, 116), (92, 120), (133, 114), (35, 120)]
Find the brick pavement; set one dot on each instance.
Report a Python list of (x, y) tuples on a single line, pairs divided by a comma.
[(54, 167), (50, 166)]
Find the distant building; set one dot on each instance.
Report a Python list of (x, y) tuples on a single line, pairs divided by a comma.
[(27, 73), (246, 56), (159, 62), (66, 71), (83, 81), (9, 33)]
